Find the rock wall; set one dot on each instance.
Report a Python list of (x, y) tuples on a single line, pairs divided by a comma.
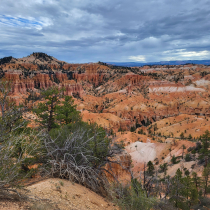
[(89, 77), (19, 85), (71, 88), (42, 81), (119, 168), (61, 76), (23, 66), (131, 79)]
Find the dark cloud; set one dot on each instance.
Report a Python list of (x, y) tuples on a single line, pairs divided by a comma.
[(120, 30)]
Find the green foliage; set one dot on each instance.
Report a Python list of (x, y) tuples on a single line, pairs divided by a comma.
[(46, 110), (93, 141), (11, 119), (206, 176), (132, 129), (183, 148), (188, 157), (133, 197), (140, 131), (204, 151), (56, 110), (173, 159), (66, 112), (183, 193), (163, 167), (150, 168), (16, 154), (182, 135)]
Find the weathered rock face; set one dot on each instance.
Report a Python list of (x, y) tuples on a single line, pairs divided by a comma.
[(43, 81), (92, 74), (19, 85), (13, 76), (72, 88), (131, 78), (95, 79), (120, 170), (29, 83), (61, 76)]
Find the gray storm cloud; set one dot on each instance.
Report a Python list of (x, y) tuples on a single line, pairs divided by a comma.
[(92, 30)]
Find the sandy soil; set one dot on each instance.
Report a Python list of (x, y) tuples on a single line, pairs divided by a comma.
[(175, 89), (59, 194), (142, 152)]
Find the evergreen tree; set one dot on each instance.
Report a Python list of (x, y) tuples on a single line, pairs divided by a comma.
[(204, 151), (182, 135), (183, 148), (150, 168), (173, 159), (206, 176), (66, 112), (46, 110)]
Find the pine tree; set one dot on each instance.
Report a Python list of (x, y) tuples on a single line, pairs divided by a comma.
[(46, 110), (206, 176), (204, 152), (182, 135), (183, 148), (150, 168), (66, 112)]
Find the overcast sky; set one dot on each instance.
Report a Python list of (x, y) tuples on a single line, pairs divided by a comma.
[(106, 30)]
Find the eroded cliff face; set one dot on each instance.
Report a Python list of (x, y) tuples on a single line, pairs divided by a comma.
[(21, 85), (119, 168), (72, 88), (93, 78), (61, 76), (43, 81)]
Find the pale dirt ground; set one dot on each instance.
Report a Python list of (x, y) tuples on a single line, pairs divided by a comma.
[(59, 194), (175, 89), (142, 152)]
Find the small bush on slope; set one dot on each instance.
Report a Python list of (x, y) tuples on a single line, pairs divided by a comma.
[(78, 152), (16, 154)]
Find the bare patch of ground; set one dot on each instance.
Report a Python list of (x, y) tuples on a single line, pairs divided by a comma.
[(59, 194)]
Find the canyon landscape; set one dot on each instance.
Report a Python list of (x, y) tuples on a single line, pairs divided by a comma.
[(153, 113), (148, 108)]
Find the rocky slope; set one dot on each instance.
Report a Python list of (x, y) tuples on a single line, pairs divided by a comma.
[(52, 194)]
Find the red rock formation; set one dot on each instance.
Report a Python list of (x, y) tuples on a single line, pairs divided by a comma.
[(131, 79), (12, 76), (61, 76), (10, 66), (19, 85), (43, 81), (89, 77), (71, 87), (120, 169), (71, 67), (29, 84)]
